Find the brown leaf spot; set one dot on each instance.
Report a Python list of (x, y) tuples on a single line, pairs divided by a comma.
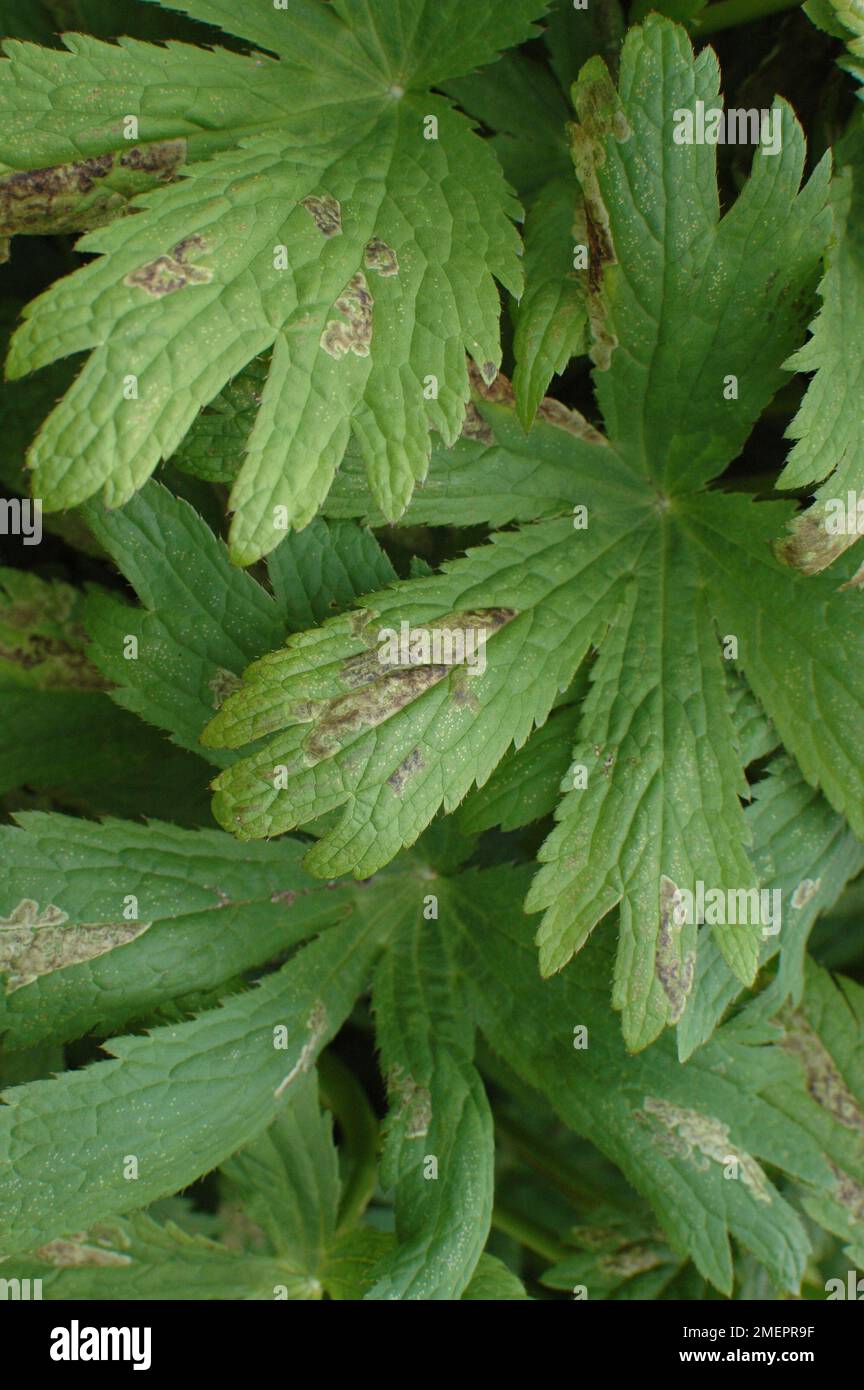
[(370, 706), (821, 1074), (326, 214), (805, 892), (703, 1140), (411, 1102), (848, 1192), (674, 974), (73, 1252), (161, 159), (354, 334), (810, 547), (172, 272), (223, 684), (475, 427), (86, 193), (630, 1260), (316, 1027), (34, 943), (413, 763), (381, 257)]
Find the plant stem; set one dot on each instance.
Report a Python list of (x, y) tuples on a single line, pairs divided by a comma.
[(528, 1234), (546, 1161), (727, 14)]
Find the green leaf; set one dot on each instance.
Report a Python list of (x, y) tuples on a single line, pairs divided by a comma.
[(652, 570), (756, 734), (494, 1282), (654, 587), (829, 426), (670, 1128), (214, 447), (363, 735), (664, 397), (495, 473), (60, 732), (552, 318), (530, 153), (287, 1185), (140, 1258), (824, 1034), (525, 785), (79, 749), (349, 1272), (364, 279), (844, 20), (287, 1181), (574, 38), (438, 1114), (798, 643), (203, 910), (202, 624), (321, 570), (177, 1100), (805, 852)]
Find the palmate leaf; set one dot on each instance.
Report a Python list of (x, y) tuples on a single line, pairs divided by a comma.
[(285, 1186), (661, 571), (143, 1258), (287, 1181), (180, 1099), (439, 1114), (843, 19), (189, 912), (577, 583), (802, 850), (825, 1033), (60, 733), (201, 624), (324, 227), (829, 427), (550, 319), (673, 1130), (670, 1128)]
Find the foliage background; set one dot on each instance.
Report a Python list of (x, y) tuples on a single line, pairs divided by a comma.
[(329, 1199)]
